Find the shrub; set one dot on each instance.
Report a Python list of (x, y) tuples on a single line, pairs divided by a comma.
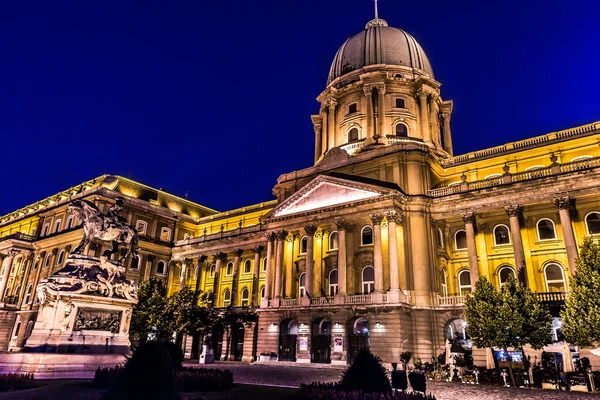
[(332, 391), (10, 382), (105, 378), (203, 379), (367, 373)]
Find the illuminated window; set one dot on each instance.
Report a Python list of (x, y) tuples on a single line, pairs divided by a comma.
[(302, 285), (353, 135), (333, 240), (352, 108), (28, 291), (555, 278), (366, 236), (444, 282), (165, 234), (464, 282), (504, 273), (460, 240), (501, 235), (141, 226), (245, 298), (592, 222), (247, 266), (400, 103), (57, 225), (401, 130), (303, 244), (226, 298), (368, 280), (333, 283), (229, 269), (60, 258), (160, 268), (546, 230)]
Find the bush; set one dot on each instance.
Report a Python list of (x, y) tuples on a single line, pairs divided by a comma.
[(367, 373), (202, 379), (10, 382), (105, 378), (332, 391)]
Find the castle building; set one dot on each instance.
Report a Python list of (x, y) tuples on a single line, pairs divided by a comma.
[(375, 245)]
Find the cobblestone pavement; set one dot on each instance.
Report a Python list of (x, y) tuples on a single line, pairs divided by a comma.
[(293, 376)]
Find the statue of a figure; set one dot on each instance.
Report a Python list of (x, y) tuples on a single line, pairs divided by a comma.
[(109, 227)]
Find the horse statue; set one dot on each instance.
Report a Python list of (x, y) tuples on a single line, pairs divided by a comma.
[(109, 226)]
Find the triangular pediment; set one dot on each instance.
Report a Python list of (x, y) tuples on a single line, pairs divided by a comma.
[(326, 191)]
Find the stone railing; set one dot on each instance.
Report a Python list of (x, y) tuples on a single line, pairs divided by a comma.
[(552, 296), (358, 299), (289, 302), (321, 301), (353, 147), (451, 300), (222, 234)]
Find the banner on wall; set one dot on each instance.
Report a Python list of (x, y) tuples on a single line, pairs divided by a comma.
[(303, 343), (338, 344)]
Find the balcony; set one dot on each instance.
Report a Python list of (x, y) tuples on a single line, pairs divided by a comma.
[(354, 147), (356, 299), (451, 301)]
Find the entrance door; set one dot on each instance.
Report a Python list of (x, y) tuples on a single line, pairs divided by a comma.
[(237, 342), (287, 348), (356, 344), (320, 349), (217, 341)]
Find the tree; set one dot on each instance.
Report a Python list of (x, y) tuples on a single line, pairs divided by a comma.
[(509, 318), (581, 317)]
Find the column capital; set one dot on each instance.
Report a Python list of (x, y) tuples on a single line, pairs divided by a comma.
[(376, 218), (270, 236), (14, 252), (514, 210), (422, 94), (219, 256), (368, 89), (238, 252), (310, 230), (317, 129), (394, 216), (332, 104), (258, 249), (201, 259), (281, 235), (341, 224), (469, 217), (563, 203)]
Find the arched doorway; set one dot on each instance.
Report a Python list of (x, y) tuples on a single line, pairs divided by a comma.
[(288, 335), (237, 341), (320, 347), (358, 337), (217, 340)]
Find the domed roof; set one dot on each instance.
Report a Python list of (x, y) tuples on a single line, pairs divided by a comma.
[(379, 44)]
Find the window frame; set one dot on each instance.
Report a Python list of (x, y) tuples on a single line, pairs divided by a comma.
[(141, 222), (227, 273), (69, 223), (362, 237), (45, 229), (245, 299), (212, 271), (355, 104), (537, 229), (164, 269), (370, 284), (336, 235), (403, 102), (301, 287), (227, 290), (300, 251), (460, 285), (57, 225), (248, 262), (587, 227), (263, 264), (502, 268), (137, 266), (494, 235), (47, 260), (456, 241), (350, 139), (60, 258), (28, 292), (162, 231), (334, 286), (396, 129), (444, 282), (562, 271)]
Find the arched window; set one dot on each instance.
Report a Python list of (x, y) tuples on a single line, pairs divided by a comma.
[(247, 266), (226, 298), (160, 267), (229, 269), (444, 282), (580, 158), (28, 291), (165, 234), (28, 330), (398, 76), (135, 262), (555, 278), (352, 108), (213, 268), (504, 273), (460, 240), (60, 258), (245, 298), (303, 244), (17, 329), (440, 238), (57, 225), (592, 222), (366, 236), (501, 235), (333, 240), (69, 222), (141, 226), (262, 292), (353, 135), (368, 280), (36, 264), (302, 285), (546, 230), (464, 282), (264, 264), (401, 129), (400, 102), (333, 283), (17, 294), (45, 230)]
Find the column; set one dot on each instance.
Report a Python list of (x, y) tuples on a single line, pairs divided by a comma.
[(447, 134), (182, 273), (418, 224), (393, 217), (425, 134), (218, 261), (342, 225), (514, 213), (318, 141), (236, 274), (370, 126), (269, 271), (469, 219), (331, 124), (310, 233), (564, 205), (257, 251), (279, 263), (324, 129), (6, 268), (434, 119), (377, 256), (199, 282), (380, 110)]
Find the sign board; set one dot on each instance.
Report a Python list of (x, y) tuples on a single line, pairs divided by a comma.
[(338, 344), (303, 342)]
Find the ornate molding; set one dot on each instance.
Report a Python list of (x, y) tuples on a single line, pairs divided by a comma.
[(310, 230), (394, 216), (514, 210), (220, 256), (202, 259), (270, 236), (469, 217), (258, 249), (341, 224), (332, 104), (368, 90), (376, 218), (563, 203), (238, 252), (281, 235)]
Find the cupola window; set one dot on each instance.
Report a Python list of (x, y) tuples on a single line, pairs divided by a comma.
[(353, 135), (400, 103), (352, 108), (401, 130)]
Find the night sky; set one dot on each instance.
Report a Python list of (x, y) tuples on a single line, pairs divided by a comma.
[(214, 97)]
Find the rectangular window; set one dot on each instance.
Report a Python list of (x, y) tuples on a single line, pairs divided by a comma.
[(400, 103), (352, 108)]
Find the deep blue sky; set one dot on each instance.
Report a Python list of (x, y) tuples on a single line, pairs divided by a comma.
[(215, 97)]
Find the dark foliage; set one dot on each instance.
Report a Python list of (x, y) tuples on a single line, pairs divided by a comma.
[(418, 381), (10, 382), (175, 353), (105, 378), (367, 373), (202, 379), (332, 391)]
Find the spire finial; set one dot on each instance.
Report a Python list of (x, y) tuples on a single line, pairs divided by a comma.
[(376, 10), (376, 21)]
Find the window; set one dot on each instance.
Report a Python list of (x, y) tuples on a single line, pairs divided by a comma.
[(226, 298), (353, 135), (28, 329), (141, 226), (504, 273), (213, 268), (47, 262), (69, 222), (400, 103), (592, 221), (303, 244), (165, 234), (135, 262), (160, 268), (264, 264), (501, 235), (245, 300), (45, 230), (28, 291), (401, 130), (333, 283), (366, 236), (17, 329), (17, 293), (262, 292), (545, 228), (555, 278), (580, 158), (57, 225), (60, 258), (301, 285), (444, 282), (229, 269), (247, 266), (368, 280), (398, 76), (440, 238), (464, 282), (333, 240), (460, 240), (352, 108), (36, 264)]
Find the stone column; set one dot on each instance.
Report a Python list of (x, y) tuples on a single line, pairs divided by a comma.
[(469, 219), (6, 268), (514, 213), (199, 283), (269, 271), (218, 261), (324, 129), (425, 134), (279, 263), (182, 273), (331, 124), (341, 255), (447, 134), (370, 115), (380, 110), (564, 205), (236, 274), (433, 118), (377, 256), (421, 268), (318, 141), (393, 217), (310, 233), (255, 288)]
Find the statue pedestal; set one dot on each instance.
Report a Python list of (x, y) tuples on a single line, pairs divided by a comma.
[(207, 356)]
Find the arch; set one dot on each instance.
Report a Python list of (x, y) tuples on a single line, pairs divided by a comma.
[(401, 129), (501, 235), (368, 279), (353, 134), (504, 271), (398, 76), (165, 234), (160, 267), (245, 297), (141, 226), (212, 271), (535, 167), (464, 282), (333, 240), (546, 229), (303, 244), (57, 224), (288, 334), (16, 294), (197, 272), (28, 329), (69, 224), (60, 258), (262, 292), (302, 285), (333, 283), (366, 235), (358, 336), (554, 275), (592, 223), (45, 230), (28, 291), (460, 240), (248, 266), (492, 176), (440, 238), (226, 298), (229, 269), (320, 346), (580, 158), (400, 102)]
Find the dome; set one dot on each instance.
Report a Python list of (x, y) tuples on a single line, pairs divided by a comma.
[(379, 44)]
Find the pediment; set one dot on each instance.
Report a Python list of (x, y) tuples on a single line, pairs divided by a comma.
[(326, 191)]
